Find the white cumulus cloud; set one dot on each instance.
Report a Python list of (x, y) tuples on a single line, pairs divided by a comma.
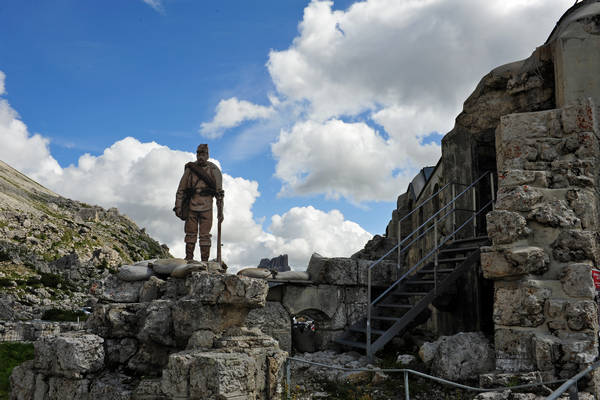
[(350, 160), (140, 179), (406, 65), (232, 112)]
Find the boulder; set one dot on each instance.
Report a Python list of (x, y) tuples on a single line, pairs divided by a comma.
[(577, 281), (462, 356)]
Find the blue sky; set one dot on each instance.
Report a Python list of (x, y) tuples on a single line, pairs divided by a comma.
[(309, 107)]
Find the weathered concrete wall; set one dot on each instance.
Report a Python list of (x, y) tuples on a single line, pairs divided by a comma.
[(545, 241)]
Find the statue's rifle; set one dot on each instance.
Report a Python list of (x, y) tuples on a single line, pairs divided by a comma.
[(219, 219)]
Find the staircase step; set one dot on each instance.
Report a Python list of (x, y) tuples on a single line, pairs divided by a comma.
[(428, 282), (439, 271), (351, 343), (468, 240), (382, 318), (458, 250), (364, 330), (388, 305), (410, 293), (451, 260)]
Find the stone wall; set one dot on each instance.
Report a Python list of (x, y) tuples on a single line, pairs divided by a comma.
[(161, 339), (544, 234)]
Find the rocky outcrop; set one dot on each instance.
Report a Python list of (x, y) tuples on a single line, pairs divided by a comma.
[(279, 264), (167, 338), (52, 249)]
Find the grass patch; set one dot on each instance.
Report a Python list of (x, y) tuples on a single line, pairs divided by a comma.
[(11, 355)]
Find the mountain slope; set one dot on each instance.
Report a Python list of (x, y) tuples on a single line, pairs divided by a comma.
[(53, 248)]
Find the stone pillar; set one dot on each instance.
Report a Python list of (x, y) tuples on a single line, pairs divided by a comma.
[(544, 234)]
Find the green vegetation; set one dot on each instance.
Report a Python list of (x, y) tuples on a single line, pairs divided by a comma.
[(56, 314), (11, 355)]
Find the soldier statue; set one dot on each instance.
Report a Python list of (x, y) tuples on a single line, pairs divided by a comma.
[(201, 181)]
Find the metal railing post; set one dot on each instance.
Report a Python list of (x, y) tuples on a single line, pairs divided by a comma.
[(369, 350), (454, 211), (474, 212), (436, 256), (406, 391), (493, 191), (399, 260)]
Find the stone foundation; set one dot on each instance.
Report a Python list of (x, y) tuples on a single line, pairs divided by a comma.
[(185, 340)]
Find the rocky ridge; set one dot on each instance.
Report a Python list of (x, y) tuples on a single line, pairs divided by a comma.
[(52, 248)]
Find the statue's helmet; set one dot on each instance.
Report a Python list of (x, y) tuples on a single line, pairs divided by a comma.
[(202, 147)]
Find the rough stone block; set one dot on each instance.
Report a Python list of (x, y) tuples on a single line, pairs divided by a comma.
[(115, 290), (505, 227), (324, 298), (575, 245), (149, 360), (546, 351), (151, 289), (23, 381), (113, 386), (555, 308), (119, 351), (531, 125), (203, 339), (577, 118), (462, 356), (555, 214), (578, 348), (275, 321), (68, 389), (584, 203), (577, 281), (155, 323), (514, 350), (582, 315), (383, 274), (515, 261), (517, 177), (578, 173), (520, 198), (335, 271), (356, 304), (115, 320), (521, 306), (71, 355), (191, 315), (195, 374), (211, 288)]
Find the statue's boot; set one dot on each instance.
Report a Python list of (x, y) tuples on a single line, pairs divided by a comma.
[(204, 253), (189, 252)]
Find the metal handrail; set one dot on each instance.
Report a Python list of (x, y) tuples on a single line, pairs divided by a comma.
[(432, 252), (437, 246), (572, 383), (407, 371)]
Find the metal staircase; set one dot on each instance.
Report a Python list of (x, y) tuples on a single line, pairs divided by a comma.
[(447, 258)]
